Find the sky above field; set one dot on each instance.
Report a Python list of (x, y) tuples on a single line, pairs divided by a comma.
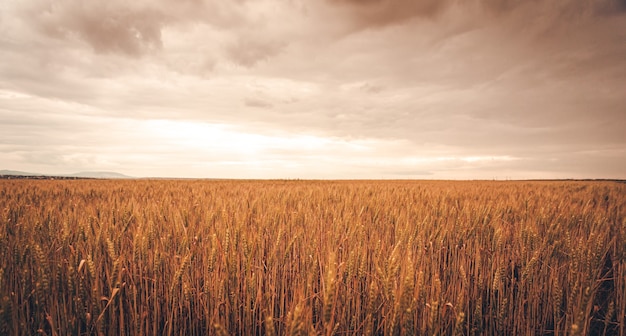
[(426, 89)]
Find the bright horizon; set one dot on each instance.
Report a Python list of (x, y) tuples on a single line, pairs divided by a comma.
[(329, 89)]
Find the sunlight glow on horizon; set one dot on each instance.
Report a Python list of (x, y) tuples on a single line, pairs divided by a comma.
[(245, 154)]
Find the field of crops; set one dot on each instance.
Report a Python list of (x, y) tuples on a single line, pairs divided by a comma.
[(177, 257)]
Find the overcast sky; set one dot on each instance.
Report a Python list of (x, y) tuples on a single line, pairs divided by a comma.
[(426, 89)]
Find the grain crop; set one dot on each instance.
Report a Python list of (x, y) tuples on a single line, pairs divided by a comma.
[(211, 257)]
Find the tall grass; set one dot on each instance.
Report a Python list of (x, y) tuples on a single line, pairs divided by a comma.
[(312, 258)]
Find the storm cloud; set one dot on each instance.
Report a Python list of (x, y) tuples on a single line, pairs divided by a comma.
[(328, 89)]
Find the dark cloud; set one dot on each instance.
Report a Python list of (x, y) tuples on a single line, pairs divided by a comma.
[(105, 26), (383, 12), (258, 103), (130, 28), (376, 13), (371, 88), (251, 48)]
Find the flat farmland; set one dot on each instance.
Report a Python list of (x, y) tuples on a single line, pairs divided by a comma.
[(211, 257)]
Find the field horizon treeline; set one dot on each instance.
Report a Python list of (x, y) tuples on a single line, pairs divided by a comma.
[(179, 257)]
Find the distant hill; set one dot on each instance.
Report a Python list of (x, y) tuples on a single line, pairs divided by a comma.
[(100, 174), (17, 173), (85, 174)]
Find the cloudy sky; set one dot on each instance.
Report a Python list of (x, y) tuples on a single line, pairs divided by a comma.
[(426, 89)]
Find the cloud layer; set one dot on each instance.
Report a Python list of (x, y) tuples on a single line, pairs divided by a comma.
[(382, 88)]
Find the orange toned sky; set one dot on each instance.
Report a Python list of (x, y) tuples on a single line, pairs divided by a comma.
[(427, 89)]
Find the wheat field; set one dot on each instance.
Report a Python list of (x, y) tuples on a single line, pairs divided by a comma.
[(194, 257)]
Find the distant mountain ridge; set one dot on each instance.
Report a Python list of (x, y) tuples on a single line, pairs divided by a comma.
[(84, 174), (99, 174), (17, 173)]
